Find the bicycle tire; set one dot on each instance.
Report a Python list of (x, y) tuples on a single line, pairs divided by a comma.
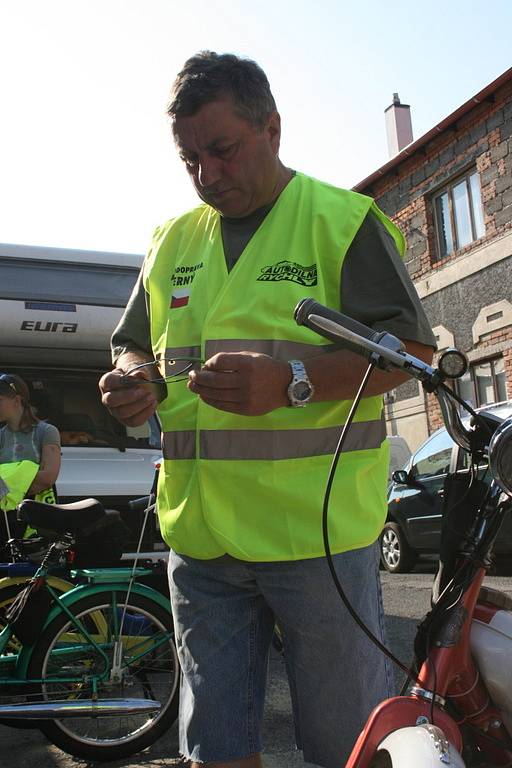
[(153, 676), (9, 591), (7, 596)]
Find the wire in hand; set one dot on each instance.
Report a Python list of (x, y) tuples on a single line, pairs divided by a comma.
[(169, 370)]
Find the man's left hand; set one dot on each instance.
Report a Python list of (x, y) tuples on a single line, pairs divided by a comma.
[(247, 383)]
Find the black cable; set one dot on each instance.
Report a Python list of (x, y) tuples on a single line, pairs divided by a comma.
[(448, 590), (325, 529), (466, 407)]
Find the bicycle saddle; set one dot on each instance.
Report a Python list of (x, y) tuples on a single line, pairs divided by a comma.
[(80, 517)]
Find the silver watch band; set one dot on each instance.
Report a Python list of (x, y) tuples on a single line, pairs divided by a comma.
[(300, 390)]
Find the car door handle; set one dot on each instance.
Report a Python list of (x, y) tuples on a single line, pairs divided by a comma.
[(441, 492)]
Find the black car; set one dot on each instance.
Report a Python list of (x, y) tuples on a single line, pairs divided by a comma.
[(415, 503)]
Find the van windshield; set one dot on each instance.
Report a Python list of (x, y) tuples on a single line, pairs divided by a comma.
[(72, 402)]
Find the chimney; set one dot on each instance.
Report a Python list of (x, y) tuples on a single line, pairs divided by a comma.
[(398, 126)]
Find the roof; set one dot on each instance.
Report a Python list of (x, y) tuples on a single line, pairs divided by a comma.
[(486, 94), (71, 255)]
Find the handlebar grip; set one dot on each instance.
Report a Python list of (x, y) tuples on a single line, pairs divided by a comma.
[(141, 504), (308, 307)]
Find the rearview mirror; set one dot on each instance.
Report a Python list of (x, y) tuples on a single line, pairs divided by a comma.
[(400, 476)]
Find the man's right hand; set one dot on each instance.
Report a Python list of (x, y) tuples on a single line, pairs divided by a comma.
[(129, 398)]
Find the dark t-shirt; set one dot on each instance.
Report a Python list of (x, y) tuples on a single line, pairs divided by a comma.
[(375, 286)]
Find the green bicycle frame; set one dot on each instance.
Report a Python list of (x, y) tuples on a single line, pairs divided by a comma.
[(101, 581)]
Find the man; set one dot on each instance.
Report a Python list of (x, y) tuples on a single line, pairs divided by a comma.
[(241, 489)]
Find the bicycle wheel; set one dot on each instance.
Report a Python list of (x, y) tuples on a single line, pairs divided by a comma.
[(65, 660), (8, 694), (9, 591), (8, 595)]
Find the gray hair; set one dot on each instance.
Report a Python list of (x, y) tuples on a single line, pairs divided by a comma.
[(207, 76)]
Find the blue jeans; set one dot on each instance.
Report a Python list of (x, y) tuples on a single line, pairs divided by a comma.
[(224, 612)]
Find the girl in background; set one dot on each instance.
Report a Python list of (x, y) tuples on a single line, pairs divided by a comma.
[(29, 450)]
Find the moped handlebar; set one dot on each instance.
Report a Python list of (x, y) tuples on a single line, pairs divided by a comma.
[(141, 504), (385, 351)]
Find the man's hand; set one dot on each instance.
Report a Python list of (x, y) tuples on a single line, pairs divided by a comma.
[(127, 397), (247, 383)]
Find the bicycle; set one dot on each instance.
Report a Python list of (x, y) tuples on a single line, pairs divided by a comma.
[(95, 667), (99, 545), (459, 708)]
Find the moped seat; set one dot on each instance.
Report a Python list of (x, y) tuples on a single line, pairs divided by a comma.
[(80, 517)]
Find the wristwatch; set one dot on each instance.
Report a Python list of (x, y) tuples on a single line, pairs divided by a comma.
[(300, 389)]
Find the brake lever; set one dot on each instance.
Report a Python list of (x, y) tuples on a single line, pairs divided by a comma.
[(395, 356), (391, 343)]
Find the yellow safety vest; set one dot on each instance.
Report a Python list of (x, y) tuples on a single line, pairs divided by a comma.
[(253, 486), (15, 479)]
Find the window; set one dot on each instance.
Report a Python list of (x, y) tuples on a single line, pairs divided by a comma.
[(484, 383), (458, 215), (434, 457), (464, 462), (71, 401)]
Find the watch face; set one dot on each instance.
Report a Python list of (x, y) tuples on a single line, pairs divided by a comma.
[(301, 390)]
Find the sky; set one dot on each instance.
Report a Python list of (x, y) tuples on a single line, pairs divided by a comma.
[(86, 154)]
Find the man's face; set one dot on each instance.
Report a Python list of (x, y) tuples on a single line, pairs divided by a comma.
[(233, 165)]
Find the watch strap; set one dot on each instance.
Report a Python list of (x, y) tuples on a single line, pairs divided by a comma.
[(299, 377)]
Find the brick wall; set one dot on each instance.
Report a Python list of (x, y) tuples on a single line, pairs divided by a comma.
[(481, 139)]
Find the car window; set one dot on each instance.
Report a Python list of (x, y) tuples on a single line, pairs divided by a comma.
[(433, 458), (464, 461)]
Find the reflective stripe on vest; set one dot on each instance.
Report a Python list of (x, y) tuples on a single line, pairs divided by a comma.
[(279, 348), (272, 445)]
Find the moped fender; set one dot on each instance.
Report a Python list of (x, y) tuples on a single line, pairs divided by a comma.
[(421, 746), (85, 590)]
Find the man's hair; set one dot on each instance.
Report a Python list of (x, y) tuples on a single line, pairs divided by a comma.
[(208, 76)]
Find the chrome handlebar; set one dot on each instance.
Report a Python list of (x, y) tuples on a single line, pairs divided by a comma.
[(385, 351)]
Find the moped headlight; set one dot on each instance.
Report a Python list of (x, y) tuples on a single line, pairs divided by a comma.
[(500, 455), (453, 364)]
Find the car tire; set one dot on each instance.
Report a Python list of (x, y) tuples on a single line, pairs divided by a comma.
[(395, 553)]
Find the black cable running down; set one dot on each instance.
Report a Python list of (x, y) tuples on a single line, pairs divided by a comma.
[(325, 528), (452, 393)]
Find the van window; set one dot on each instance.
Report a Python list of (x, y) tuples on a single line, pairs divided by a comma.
[(92, 284), (72, 402)]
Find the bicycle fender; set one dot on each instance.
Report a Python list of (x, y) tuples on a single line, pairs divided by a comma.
[(423, 746), (78, 593)]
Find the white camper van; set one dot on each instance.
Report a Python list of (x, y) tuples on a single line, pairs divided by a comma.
[(58, 308)]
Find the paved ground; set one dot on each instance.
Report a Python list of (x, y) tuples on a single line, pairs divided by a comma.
[(30, 748), (406, 599)]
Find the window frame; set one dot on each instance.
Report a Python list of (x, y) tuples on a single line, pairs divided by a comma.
[(447, 189), (472, 371)]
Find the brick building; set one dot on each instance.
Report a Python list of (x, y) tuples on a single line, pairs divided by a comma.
[(450, 192)]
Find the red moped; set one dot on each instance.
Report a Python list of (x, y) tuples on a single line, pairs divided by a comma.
[(456, 706)]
